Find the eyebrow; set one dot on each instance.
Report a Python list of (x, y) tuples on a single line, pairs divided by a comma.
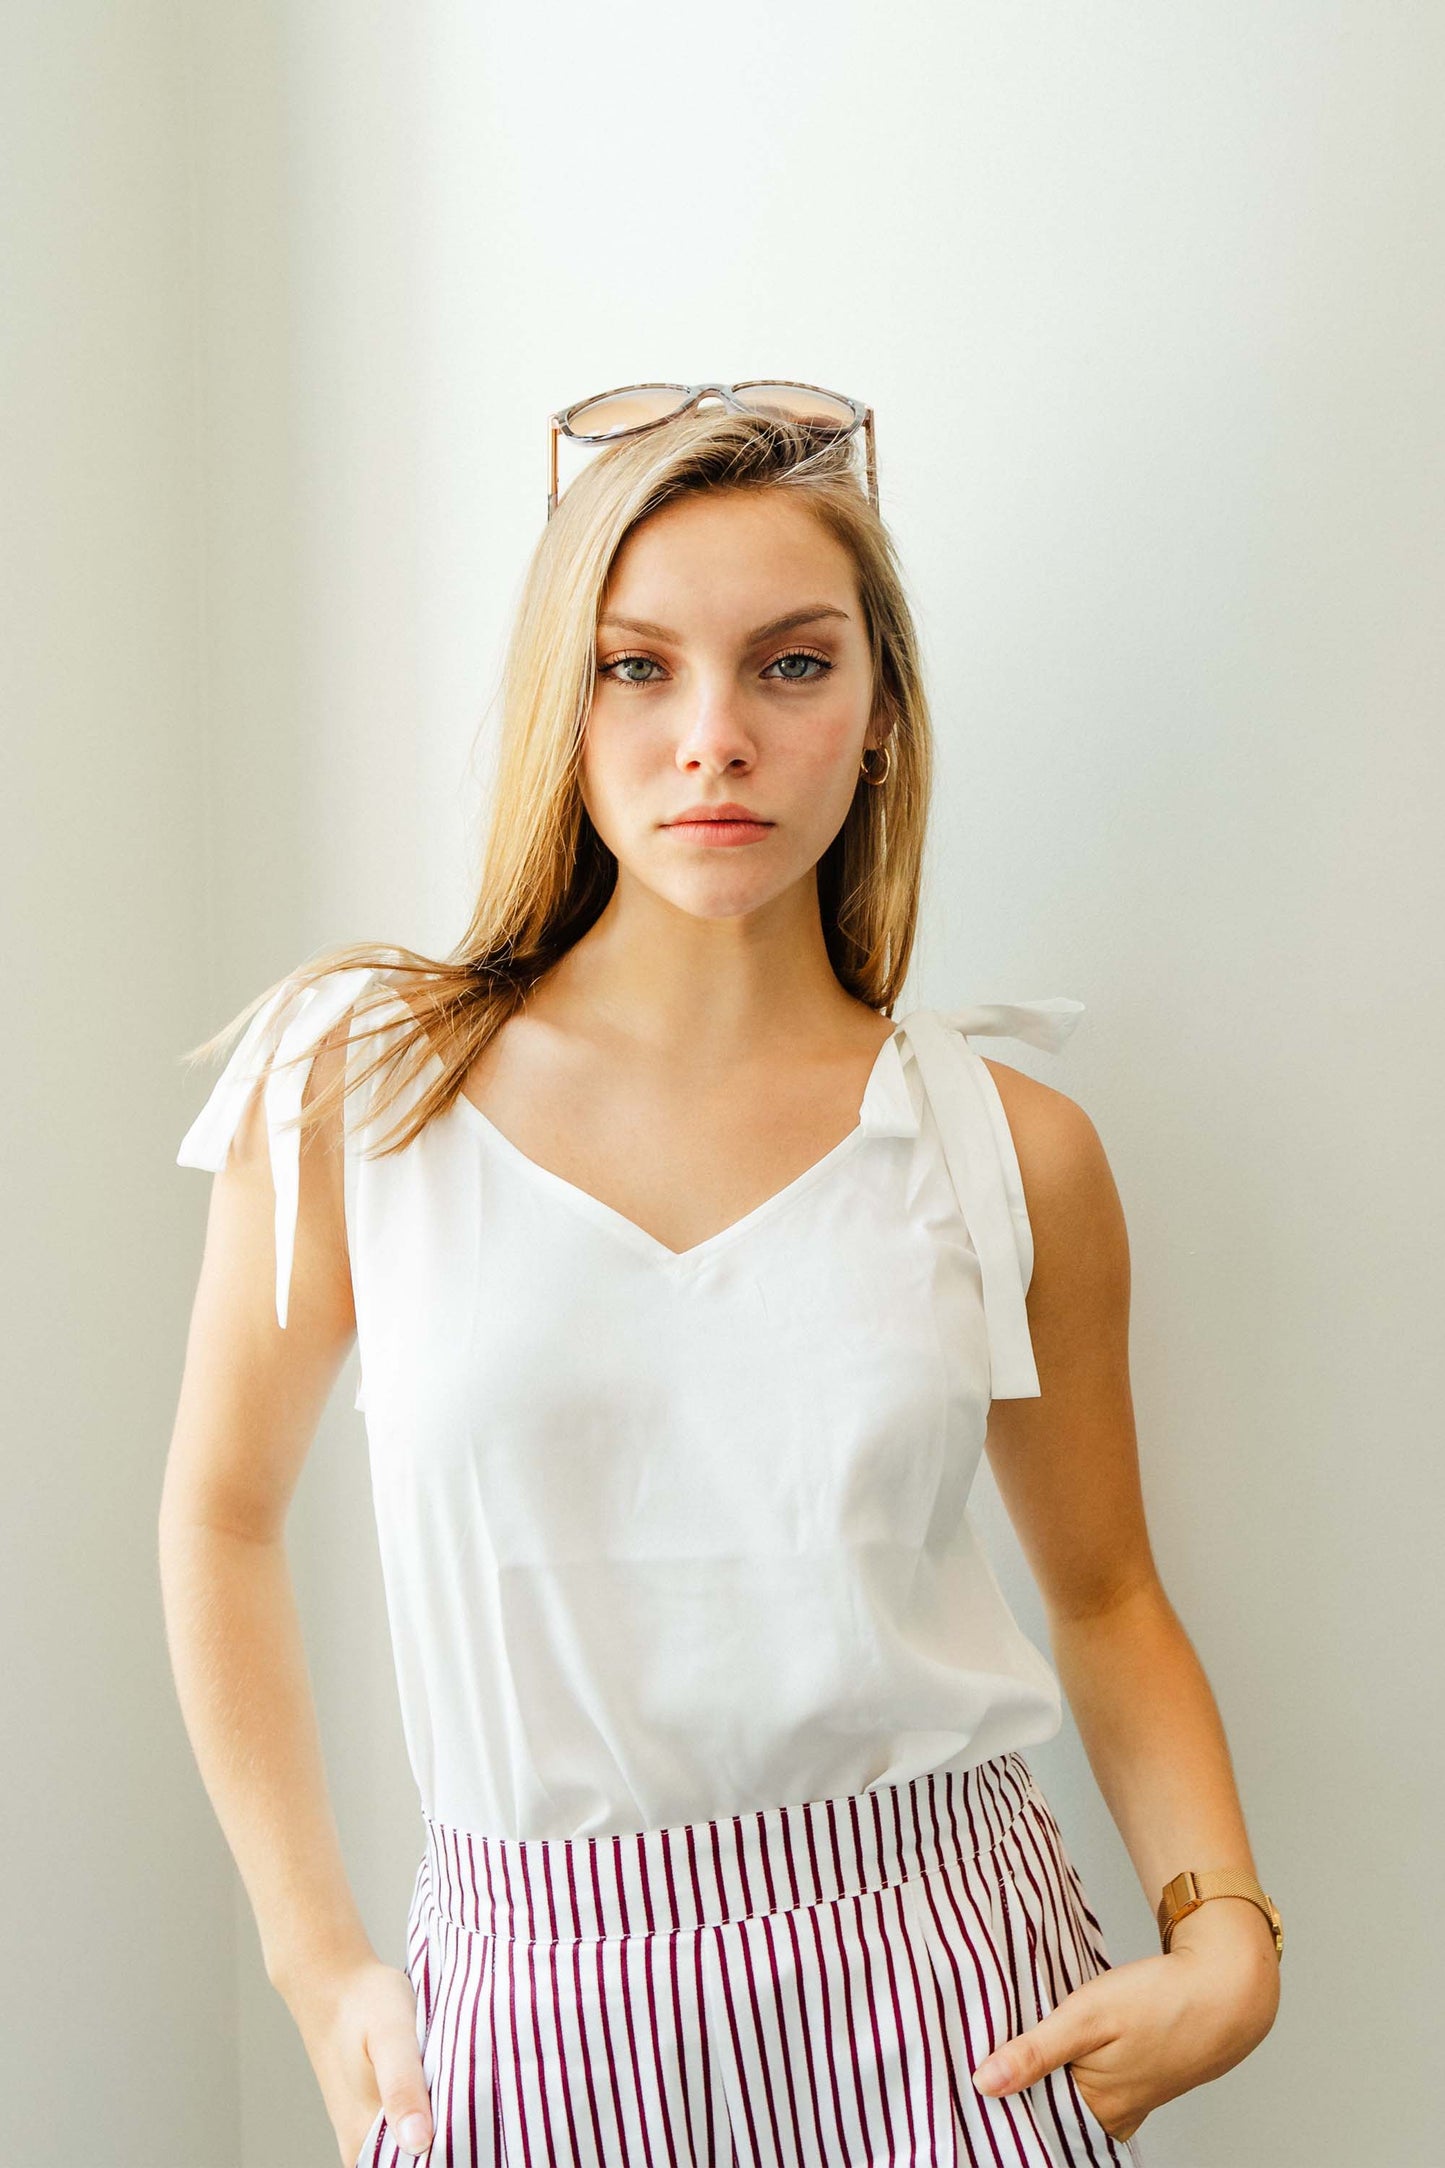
[(810, 614)]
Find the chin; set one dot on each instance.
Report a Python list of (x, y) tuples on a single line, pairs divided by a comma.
[(721, 897)]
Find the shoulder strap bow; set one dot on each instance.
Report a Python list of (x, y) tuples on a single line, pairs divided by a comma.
[(293, 1022), (982, 1164)]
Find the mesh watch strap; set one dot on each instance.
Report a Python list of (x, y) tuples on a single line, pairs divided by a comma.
[(1188, 1891)]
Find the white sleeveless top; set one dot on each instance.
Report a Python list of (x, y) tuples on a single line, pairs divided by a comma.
[(666, 1536)]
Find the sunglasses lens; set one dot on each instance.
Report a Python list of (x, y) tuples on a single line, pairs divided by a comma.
[(619, 410), (797, 403)]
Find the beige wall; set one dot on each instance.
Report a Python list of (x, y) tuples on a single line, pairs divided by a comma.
[(1148, 307), (118, 2002)]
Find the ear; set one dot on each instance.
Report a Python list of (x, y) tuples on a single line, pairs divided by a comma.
[(884, 719)]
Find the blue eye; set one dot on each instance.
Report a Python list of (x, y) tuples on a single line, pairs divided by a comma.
[(799, 654), (606, 669), (802, 654)]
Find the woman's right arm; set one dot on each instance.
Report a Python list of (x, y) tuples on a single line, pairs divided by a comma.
[(252, 1394)]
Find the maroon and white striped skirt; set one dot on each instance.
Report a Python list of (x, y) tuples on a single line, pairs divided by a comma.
[(804, 1987)]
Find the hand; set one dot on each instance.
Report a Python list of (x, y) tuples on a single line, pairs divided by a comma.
[(359, 2027), (1140, 2034)]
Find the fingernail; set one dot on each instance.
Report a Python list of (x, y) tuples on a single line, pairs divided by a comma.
[(991, 2073), (415, 2133)]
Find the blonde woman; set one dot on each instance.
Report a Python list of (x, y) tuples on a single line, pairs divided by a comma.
[(688, 1287)]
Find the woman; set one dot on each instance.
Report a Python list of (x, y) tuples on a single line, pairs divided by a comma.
[(687, 1297)]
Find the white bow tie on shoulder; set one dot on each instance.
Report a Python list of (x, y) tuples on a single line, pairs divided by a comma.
[(276, 1044), (890, 1109), (1046, 1022), (982, 1164)]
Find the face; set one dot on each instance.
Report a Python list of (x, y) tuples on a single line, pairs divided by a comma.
[(704, 700)]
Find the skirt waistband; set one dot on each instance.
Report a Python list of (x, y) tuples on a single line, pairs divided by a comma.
[(702, 1874)]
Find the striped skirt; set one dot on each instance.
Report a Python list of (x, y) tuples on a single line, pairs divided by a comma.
[(804, 1987)]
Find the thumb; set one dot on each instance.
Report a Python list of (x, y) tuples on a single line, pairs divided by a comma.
[(1022, 2061), (401, 2082)]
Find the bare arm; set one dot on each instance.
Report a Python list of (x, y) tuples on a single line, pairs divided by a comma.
[(252, 1394), (1067, 1467), (251, 1397)]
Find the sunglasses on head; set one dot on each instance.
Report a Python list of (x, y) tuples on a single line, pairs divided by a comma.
[(631, 408)]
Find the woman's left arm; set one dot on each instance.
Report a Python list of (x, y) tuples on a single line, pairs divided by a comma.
[(1067, 1468)]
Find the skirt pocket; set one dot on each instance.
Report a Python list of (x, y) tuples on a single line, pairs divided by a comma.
[(1104, 2146), (1064, 1948), (370, 2154), (422, 1970)]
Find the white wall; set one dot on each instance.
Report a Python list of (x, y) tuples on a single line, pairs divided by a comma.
[(1148, 308)]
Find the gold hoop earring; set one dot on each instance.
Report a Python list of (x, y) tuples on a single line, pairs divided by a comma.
[(887, 752)]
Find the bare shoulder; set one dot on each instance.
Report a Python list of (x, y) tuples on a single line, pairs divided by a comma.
[(1052, 1133), (1069, 1188)]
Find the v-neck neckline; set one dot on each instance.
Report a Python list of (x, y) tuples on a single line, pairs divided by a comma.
[(617, 1223)]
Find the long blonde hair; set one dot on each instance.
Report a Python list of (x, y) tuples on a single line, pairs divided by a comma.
[(546, 873)]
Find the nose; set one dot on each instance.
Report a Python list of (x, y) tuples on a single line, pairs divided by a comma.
[(715, 733)]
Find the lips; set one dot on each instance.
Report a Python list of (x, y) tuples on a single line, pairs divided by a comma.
[(726, 815), (714, 828)]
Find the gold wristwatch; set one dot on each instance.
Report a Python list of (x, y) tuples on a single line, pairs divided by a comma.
[(1188, 1891)]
